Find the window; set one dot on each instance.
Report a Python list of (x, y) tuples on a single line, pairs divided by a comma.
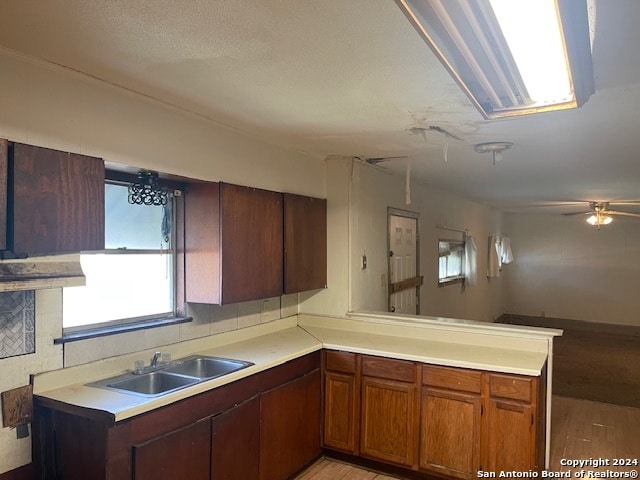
[(133, 278), (450, 261)]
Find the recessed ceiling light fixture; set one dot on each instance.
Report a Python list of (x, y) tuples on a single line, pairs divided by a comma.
[(495, 148), (510, 57)]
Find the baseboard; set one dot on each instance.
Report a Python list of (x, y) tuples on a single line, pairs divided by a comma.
[(571, 325), (21, 473)]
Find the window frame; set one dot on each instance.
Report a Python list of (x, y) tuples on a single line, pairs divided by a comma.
[(460, 247), (81, 332)]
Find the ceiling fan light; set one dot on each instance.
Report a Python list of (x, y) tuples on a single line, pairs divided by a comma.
[(599, 219)]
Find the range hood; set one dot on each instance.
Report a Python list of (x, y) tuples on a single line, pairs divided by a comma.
[(40, 273)]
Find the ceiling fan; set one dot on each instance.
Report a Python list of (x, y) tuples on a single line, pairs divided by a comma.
[(600, 213)]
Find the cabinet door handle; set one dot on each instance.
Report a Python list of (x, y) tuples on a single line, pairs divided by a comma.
[(510, 406)]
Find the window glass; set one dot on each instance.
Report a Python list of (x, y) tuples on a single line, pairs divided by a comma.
[(133, 278), (132, 226), (450, 260)]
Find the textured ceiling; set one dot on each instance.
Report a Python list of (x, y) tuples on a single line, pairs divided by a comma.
[(351, 77)]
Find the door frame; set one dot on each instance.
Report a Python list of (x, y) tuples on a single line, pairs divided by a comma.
[(397, 212)]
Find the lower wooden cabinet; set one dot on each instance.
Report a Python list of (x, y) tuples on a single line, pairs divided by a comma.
[(235, 442), (388, 428), (450, 419), (341, 401), (183, 453), (512, 423), (265, 426), (289, 427), (446, 421)]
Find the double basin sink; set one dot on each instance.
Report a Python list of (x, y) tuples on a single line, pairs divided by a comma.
[(172, 376)]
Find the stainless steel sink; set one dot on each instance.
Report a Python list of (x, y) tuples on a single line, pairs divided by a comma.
[(173, 376), (207, 367), (153, 383)]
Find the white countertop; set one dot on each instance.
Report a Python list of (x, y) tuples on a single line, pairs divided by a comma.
[(265, 351), (498, 349)]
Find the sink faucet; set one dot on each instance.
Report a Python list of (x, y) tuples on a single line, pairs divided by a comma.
[(154, 359)]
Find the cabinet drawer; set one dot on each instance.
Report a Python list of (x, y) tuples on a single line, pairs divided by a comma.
[(511, 386), (392, 369), (340, 361), (452, 378)]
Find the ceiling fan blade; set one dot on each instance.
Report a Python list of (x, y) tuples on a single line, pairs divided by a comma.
[(377, 160), (569, 214), (617, 212)]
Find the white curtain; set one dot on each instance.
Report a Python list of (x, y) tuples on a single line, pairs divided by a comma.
[(506, 255), (499, 254), (470, 261), (493, 260)]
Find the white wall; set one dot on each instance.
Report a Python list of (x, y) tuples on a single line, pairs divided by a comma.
[(565, 268), (361, 204), (55, 108)]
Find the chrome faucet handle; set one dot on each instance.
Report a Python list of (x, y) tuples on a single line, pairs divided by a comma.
[(154, 359)]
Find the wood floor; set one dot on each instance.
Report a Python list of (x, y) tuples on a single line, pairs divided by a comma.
[(326, 469), (580, 429)]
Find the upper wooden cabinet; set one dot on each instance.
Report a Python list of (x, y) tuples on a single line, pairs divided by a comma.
[(245, 243), (305, 243), (54, 201), (251, 243), (233, 243)]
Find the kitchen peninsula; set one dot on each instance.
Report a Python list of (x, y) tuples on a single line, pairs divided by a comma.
[(317, 382)]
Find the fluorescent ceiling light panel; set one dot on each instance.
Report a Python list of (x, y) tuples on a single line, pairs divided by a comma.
[(510, 57)]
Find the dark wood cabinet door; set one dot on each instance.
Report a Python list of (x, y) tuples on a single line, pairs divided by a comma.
[(58, 201), (450, 432), (305, 243), (251, 243), (290, 427), (184, 453), (235, 442), (202, 243), (3, 192), (233, 243), (388, 430)]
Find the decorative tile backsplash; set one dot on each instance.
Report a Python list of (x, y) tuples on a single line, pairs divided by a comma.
[(17, 323)]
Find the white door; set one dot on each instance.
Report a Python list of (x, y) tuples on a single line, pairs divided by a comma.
[(403, 262)]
